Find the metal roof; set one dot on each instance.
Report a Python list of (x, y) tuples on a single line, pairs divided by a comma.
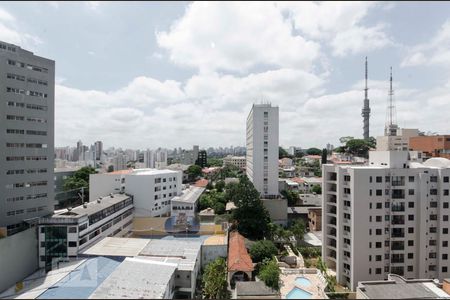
[(187, 251), (189, 195), (136, 278)]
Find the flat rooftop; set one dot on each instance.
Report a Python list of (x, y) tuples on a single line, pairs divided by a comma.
[(214, 240), (91, 208), (189, 195), (399, 288), (188, 251), (152, 172), (110, 246), (136, 278)]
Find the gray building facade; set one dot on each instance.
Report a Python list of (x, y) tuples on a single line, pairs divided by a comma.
[(27, 89)]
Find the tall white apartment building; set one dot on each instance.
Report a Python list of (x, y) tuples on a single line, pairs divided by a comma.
[(152, 189), (27, 90), (391, 216), (120, 162), (155, 159), (262, 149)]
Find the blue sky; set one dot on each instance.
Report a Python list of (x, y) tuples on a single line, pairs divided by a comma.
[(150, 74)]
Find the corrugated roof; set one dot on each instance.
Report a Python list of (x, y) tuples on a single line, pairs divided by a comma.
[(136, 279), (238, 257)]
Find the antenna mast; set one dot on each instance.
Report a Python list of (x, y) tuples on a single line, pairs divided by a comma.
[(391, 126), (365, 113)]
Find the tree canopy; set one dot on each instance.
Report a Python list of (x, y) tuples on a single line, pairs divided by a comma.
[(298, 228), (262, 249), (220, 185), (291, 196), (214, 280), (194, 171), (269, 272), (79, 179), (214, 162), (316, 189), (283, 153), (314, 151), (250, 214)]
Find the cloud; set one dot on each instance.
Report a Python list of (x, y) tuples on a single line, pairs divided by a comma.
[(434, 52), (236, 37), (10, 33), (339, 24)]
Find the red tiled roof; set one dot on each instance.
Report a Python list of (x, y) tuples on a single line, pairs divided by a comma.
[(238, 258), (201, 183), (313, 156), (298, 180)]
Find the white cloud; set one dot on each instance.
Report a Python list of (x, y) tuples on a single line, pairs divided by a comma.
[(236, 37), (94, 5), (338, 24), (433, 52), (10, 33)]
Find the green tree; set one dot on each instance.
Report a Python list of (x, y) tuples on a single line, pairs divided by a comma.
[(269, 272), (314, 151), (250, 214), (345, 139), (220, 185), (262, 249), (214, 162), (110, 169), (214, 280), (316, 189), (80, 179), (291, 196), (282, 153), (194, 171), (358, 147), (219, 208), (298, 228)]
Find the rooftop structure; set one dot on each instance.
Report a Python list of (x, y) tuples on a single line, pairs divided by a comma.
[(238, 257), (255, 290), (130, 280), (397, 287)]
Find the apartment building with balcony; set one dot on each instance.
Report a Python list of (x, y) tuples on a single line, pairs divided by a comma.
[(262, 149), (27, 89), (391, 216)]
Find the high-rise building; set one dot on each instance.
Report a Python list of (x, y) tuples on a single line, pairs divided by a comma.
[(262, 149), (391, 216), (98, 150), (202, 159), (79, 151), (120, 162), (27, 89)]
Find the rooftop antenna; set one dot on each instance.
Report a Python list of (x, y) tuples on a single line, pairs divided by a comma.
[(365, 113), (391, 114)]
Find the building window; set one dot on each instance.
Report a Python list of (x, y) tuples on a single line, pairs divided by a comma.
[(445, 218), (410, 217), (379, 205), (433, 178), (378, 271), (378, 257), (411, 178), (445, 205), (379, 192), (72, 244), (411, 192), (433, 229), (444, 256), (444, 269), (432, 268), (379, 179), (444, 230), (410, 268), (444, 244), (410, 255), (378, 245), (445, 178), (445, 192), (411, 204), (410, 243)]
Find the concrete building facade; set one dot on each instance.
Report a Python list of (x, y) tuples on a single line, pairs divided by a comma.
[(262, 149), (152, 189), (237, 161), (27, 90), (391, 216), (431, 146)]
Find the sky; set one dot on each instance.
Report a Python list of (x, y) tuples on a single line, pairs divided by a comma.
[(151, 74)]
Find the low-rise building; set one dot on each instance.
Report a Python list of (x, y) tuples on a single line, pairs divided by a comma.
[(255, 290), (239, 263), (397, 287), (431, 146), (185, 205), (315, 218), (67, 232), (237, 161), (213, 247)]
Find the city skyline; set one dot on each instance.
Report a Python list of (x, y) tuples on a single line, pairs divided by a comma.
[(175, 86)]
